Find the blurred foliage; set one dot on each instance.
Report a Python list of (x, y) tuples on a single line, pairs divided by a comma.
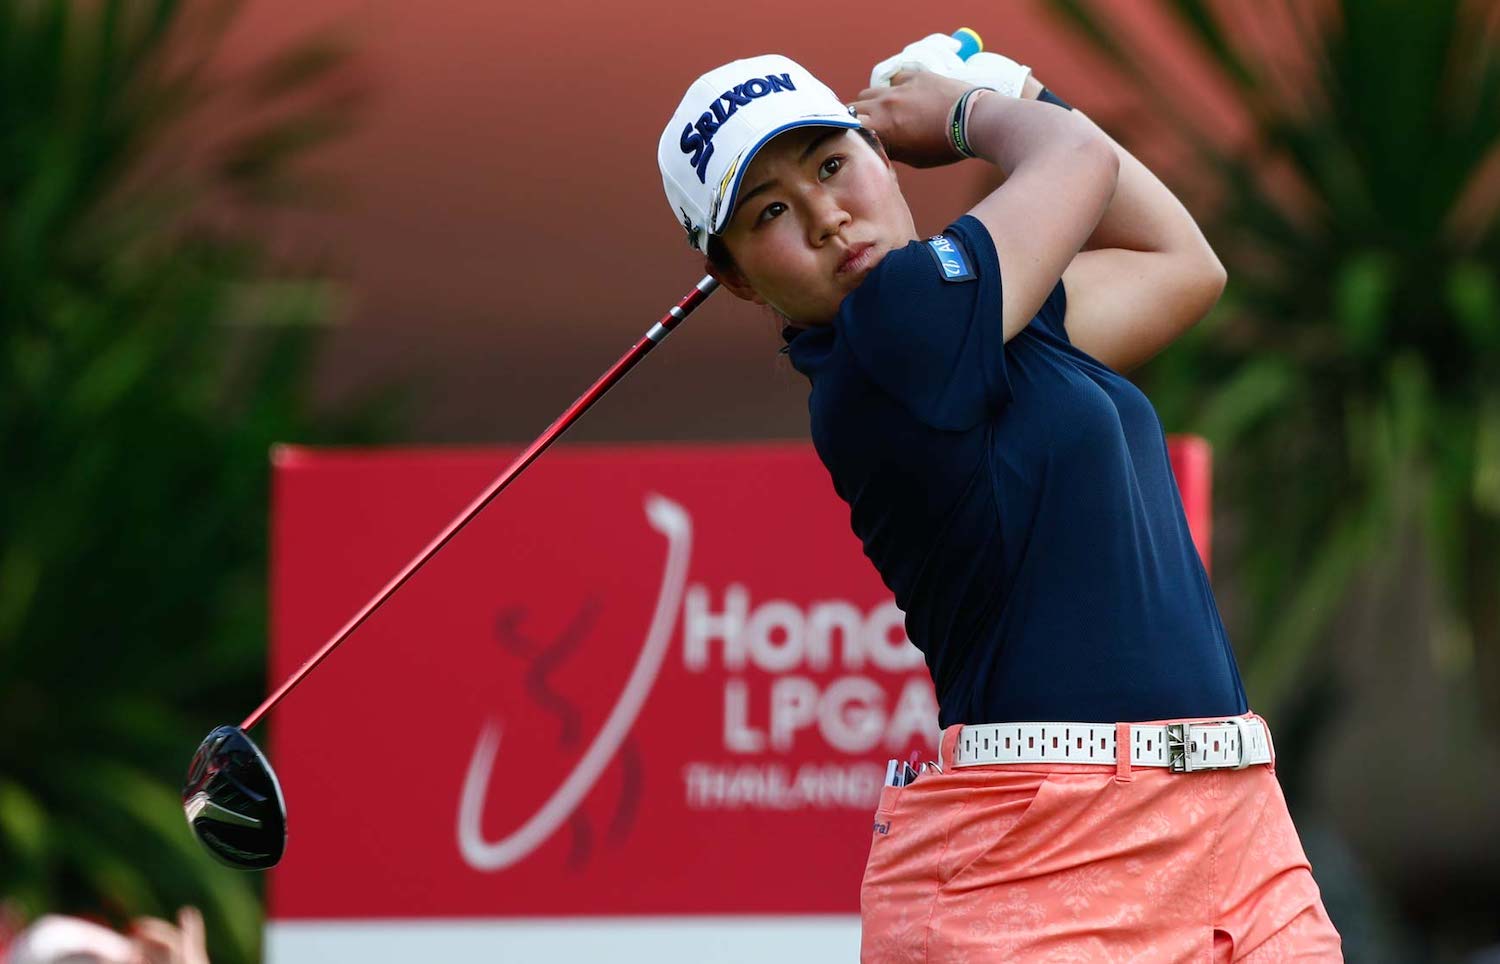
[(1350, 378), (151, 352)]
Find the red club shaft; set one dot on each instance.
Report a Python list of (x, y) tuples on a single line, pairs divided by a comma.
[(648, 341)]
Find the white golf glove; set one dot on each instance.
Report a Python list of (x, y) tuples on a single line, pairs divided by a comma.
[(938, 53)]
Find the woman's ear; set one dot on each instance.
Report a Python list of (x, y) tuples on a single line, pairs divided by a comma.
[(730, 277), (878, 146)]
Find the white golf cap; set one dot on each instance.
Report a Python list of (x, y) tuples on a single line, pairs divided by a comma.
[(54, 937), (727, 115)]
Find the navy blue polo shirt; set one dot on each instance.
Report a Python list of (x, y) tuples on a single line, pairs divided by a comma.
[(1015, 497)]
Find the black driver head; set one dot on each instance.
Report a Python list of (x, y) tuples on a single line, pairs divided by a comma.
[(233, 802)]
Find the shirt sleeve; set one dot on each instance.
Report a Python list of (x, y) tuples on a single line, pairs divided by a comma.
[(1050, 316), (931, 335)]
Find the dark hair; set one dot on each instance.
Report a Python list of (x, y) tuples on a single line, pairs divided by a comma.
[(718, 253)]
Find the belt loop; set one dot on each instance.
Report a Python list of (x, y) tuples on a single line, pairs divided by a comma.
[(1122, 753), (1269, 745), (948, 746), (1242, 739)]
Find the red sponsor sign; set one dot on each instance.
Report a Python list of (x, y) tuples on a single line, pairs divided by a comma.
[(654, 680)]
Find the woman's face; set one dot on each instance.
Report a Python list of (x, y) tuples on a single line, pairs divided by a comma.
[(818, 208)]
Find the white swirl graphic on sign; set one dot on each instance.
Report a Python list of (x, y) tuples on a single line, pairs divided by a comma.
[(672, 521)]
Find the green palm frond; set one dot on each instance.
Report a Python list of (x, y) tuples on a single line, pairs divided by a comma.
[(148, 362)]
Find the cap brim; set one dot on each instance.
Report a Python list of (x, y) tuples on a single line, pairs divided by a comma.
[(724, 211)]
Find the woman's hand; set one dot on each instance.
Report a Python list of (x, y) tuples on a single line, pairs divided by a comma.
[(158, 942), (911, 116)]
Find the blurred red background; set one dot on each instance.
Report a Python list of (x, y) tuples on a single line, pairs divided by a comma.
[(501, 219)]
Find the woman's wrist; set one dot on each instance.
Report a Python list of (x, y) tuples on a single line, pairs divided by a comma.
[(958, 120), (1008, 131)]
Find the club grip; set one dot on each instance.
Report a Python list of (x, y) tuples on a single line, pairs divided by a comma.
[(969, 42)]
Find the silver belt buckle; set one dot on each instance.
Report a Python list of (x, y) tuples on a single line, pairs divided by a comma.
[(1180, 748)]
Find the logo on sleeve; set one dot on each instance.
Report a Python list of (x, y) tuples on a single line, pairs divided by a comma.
[(951, 259)]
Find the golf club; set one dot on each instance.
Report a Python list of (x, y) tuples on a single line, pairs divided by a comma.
[(232, 798)]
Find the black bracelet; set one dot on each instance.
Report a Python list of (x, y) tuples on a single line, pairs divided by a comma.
[(1051, 98), (957, 123)]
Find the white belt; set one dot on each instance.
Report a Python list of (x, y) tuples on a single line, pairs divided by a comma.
[(1233, 744)]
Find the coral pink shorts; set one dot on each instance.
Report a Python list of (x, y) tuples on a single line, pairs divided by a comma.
[(1078, 862)]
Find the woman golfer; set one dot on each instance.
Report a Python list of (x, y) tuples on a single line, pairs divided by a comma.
[(1102, 791)]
